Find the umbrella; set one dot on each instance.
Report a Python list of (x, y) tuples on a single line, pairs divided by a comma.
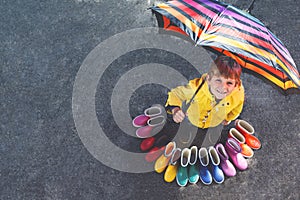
[(225, 29)]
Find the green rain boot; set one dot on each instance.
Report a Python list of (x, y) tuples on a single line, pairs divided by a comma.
[(194, 174), (182, 176)]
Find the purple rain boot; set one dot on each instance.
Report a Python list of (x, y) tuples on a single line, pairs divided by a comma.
[(234, 151), (225, 164)]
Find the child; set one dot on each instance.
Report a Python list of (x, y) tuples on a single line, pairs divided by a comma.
[(219, 100)]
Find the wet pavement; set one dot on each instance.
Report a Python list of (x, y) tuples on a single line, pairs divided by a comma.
[(48, 47)]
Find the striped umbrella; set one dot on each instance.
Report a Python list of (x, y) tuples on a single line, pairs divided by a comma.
[(223, 28)]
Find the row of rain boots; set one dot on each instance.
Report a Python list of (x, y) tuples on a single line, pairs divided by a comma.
[(190, 165)]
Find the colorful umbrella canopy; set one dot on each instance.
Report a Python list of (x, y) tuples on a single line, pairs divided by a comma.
[(222, 28)]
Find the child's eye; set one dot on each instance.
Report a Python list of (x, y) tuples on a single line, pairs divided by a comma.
[(229, 83)]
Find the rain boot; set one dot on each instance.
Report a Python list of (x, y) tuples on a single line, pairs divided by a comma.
[(175, 156), (153, 111), (149, 130), (205, 175), (154, 153), (194, 155), (252, 141), (247, 130), (246, 150), (185, 157), (182, 176), (170, 148), (170, 173), (217, 173), (234, 151), (244, 127), (225, 164), (193, 171), (140, 121), (147, 143), (163, 161)]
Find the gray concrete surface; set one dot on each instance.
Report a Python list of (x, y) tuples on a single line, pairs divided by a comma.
[(44, 43)]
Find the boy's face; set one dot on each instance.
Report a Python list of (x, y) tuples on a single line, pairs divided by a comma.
[(220, 87)]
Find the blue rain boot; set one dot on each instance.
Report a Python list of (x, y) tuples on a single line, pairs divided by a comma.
[(217, 173), (205, 175)]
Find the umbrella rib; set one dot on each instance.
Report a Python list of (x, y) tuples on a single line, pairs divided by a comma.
[(283, 51), (286, 62)]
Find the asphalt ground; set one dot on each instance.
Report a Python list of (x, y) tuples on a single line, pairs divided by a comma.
[(45, 46)]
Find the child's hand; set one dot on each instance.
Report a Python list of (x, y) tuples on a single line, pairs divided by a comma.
[(178, 115), (225, 123)]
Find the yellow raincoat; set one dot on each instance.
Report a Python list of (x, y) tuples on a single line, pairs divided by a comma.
[(204, 111)]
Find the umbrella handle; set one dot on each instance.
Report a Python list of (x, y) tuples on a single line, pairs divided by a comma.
[(185, 105), (250, 7)]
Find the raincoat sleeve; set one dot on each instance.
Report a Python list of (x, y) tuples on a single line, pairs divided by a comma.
[(239, 99), (182, 93)]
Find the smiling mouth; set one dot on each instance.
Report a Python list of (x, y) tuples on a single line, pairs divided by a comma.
[(221, 92)]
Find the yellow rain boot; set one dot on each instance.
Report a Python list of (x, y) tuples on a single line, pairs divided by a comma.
[(161, 163), (170, 173)]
